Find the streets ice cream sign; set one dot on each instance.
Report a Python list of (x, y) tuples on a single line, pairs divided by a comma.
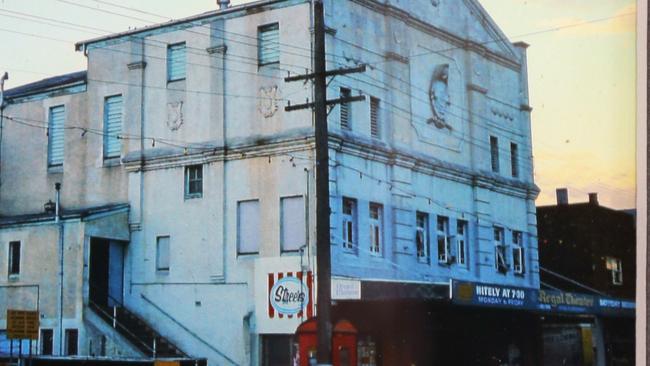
[(290, 294)]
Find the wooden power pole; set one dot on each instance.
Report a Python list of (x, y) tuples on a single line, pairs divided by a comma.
[(320, 104)]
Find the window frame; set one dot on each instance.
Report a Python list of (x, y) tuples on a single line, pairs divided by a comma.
[(11, 263), (442, 232), (422, 231), (375, 118), (494, 154), (345, 110), (239, 227), (105, 153), (68, 345), (42, 337), (282, 224), (500, 248), (189, 180), (349, 224), (51, 130), (159, 268), (462, 239), (514, 160), (518, 253), (376, 228), (171, 48), (260, 46), (615, 266)]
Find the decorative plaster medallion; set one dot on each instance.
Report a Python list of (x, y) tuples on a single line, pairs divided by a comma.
[(174, 115), (439, 97), (268, 102)]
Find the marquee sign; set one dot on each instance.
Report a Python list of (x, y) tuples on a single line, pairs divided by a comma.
[(290, 294)]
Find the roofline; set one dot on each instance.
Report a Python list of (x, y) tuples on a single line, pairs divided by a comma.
[(82, 45), (80, 80), (585, 204), (83, 214)]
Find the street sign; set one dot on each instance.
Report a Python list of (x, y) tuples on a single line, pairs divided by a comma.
[(22, 324), (346, 289)]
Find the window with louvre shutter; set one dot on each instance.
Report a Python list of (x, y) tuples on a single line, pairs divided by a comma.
[(345, 109), (176, 60), (374, 118), (494, 153), (268, 50), (112, 127), (56, 136)]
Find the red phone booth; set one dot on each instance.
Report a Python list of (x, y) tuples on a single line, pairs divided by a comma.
[(344, 343)]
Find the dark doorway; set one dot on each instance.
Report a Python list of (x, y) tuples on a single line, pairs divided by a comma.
[(106, 275)]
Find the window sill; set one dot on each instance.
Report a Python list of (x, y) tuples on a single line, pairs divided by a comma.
[(193, 196), (522, 274), (112, 162), (290, 253), (55, 169), (13, 277), (175, 81), (162, 272), (423, 260), (248, 255)]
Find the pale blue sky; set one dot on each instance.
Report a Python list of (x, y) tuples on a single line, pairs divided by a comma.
[(582, 79)]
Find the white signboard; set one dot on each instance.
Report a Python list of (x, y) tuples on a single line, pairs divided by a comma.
[(345, 289)]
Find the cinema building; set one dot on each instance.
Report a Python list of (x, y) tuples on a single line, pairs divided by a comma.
[(187, 192)]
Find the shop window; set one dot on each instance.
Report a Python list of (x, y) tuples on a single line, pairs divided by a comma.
[(500, 262), (71, 342), (518, 258), (292, 223), (269, 44), (47, 342), (14, 258), (494, 153), (112, 127), (56, 136), (461, 242), (349, 223), (176, 62), (248, 227), (193, 181), (162, 253), (615, 266), (345, 109), (376, 228), (422, 236), (366, 351), (444, 242)]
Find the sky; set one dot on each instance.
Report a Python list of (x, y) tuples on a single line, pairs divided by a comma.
[(582, 71)]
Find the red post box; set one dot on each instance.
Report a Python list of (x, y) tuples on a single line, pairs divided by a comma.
[(344, 343)]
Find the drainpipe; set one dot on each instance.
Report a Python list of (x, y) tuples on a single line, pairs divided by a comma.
[(4, 78), (57, 220)]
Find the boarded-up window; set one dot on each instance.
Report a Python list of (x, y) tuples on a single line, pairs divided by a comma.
[(268, 50), (162, 253), (345, 109), (176, 60), (292, 223), (112, 126), (374, 118), (248, 227), (56, 136)]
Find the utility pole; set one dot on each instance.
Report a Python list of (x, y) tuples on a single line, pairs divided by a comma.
[(320, 104), (3, 78)]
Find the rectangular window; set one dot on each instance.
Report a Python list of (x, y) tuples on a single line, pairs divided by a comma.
[(162, 253), (494, 153), (47, 342), (71, 342), (176, 61), (268, 50), (444, 243), (500, 262), (616, 267), (514, 159), (193, 181), (461, 241), (14, 258), (349, 223), (292, 223), (112, 127), (518, 259), (345, 110), (422, 236), (376, 235), (248, 227), (374, 118), (56, 136)]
